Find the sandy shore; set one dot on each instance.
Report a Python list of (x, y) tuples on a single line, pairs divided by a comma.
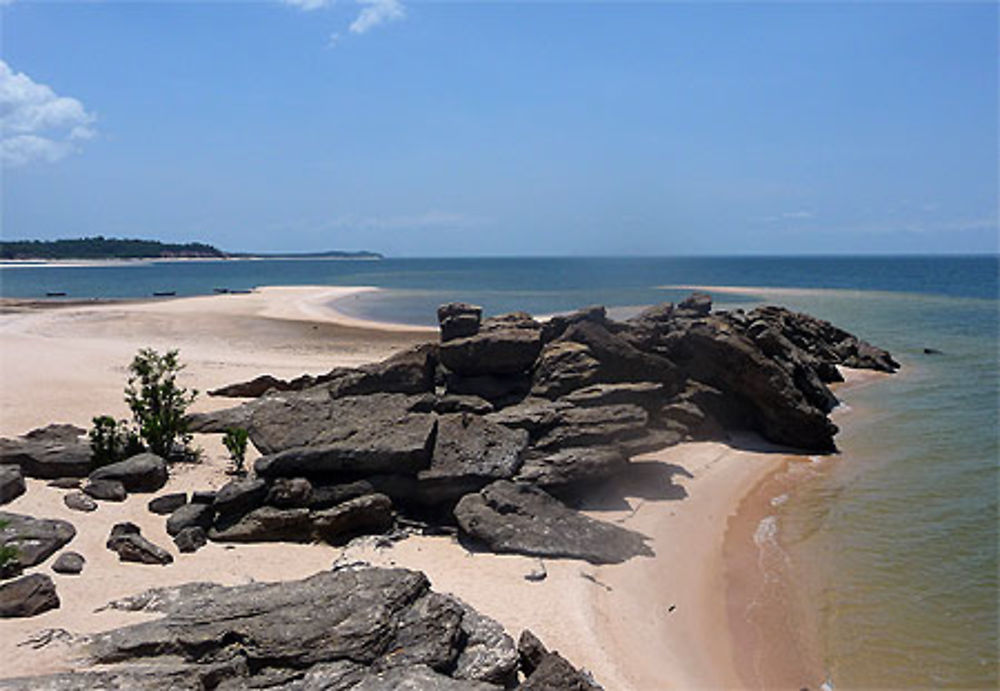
[(652, 623)]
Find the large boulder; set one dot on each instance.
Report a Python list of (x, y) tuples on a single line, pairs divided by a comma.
[(620, 361), (469, 453), (69, 563), (562, 367), (105, 490), (145, 472), (166, 504), (519, 518), (28, 596), (127, 541), (503, 345), (78, 501), (55, 451), (459, 320), (36, 539), (265, 524), (604, 424), (371, 513), (190, 516), (11, 483), (572, 465), (239, 496)]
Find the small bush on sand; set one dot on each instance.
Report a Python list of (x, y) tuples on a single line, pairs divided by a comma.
[(158, 403), (236, 443), (113, 440)]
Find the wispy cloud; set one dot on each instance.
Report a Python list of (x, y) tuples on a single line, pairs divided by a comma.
[(306, 4), (377, 12), (36, 124)]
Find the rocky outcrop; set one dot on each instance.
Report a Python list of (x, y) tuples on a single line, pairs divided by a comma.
[(36, 539), (11, 483), (55, 451), (145, 472), (459, 320), (127, 541), (515, 517), (28, 596), (549, 671), (503, 345)]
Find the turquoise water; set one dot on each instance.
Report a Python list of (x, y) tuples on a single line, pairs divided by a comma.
[(896, 537)]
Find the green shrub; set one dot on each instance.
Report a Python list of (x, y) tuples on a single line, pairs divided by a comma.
[(235, 442), (158, 403), (9, 565), (113, 440)]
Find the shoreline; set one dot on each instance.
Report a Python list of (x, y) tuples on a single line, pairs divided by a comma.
[(657, 622)]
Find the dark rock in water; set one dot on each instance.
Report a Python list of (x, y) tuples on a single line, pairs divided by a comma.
[(11, 483), (105, 490), (65, 483), (189, 516), (28, 596), (371, 513), (78, 501), (240, 496), (290, 493), (145, 472), (36, 539), (167, 503), (127, 541), (55, 451), (549, 671), (69, 563), (264, 524), (191, 539), (571, 465), (459, 320), (469, 453), (503, 345), (932, 351), (519, 518), (203, 497)]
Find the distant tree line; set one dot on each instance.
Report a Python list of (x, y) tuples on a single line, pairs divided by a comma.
[(103, 248)]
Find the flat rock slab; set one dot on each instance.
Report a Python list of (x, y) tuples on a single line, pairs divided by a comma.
[(11, 483), (36, 539), (28, 596), (51, 452), (145, 472), (519, 518)]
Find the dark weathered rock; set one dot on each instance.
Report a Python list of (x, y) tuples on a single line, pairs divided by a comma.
[(36, 539), (240, 496), (598, 425), (536, 415), (191, 539), (503, 345), (571, 465), (549, 671), (219, 421), (165, 676), (643, 394), (499, 390), (325, 496), (371, 513), (489, 654), (266, 523), (469, 453), (78, 501), (54, 451), (105, 490), (11, 483), (459, 320), (127, 541), (69, 563), (620, 361), (189, 516), (251, 389), (695, 305), (557, 325), (145, 472), (203, 497), (564, 366), (428, 633), (457, 403), (28, 596), (514, 517), (65, 483), (167, 503), (290, 493), (417, 677), (531, 651)]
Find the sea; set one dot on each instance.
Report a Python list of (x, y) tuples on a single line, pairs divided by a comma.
[(896, 536)]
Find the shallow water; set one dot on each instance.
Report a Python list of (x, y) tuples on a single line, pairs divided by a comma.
[(893, 541)]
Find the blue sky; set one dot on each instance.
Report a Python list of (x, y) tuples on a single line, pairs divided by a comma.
[(494, 128)]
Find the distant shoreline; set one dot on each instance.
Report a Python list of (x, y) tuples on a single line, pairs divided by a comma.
[(120, 261)]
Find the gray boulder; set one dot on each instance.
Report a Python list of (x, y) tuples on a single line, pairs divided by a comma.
[(459, 320), (290, 493), (130, 545), (572, 465), (549, 671), (78, 501), (563, 366), (519, 518), (263, 524), (503, 345), (69, 563), (646, 395), (11, 483), (371, 513), (489, 654), (189, 516), (55, 451), (28, 596), (167, 503), (36, 539), (191, 539), (240, 496), (105, 490), (145, 472), (598, 425)]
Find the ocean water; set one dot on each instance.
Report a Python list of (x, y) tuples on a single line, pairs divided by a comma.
[(894, 540)]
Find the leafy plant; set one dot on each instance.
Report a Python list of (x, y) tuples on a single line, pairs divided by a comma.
[(235, 442), (157, 402), (9, 564), (113, 440)]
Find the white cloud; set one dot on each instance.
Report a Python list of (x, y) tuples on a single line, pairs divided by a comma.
[(377, 12), (309, 4), (36, 124)]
